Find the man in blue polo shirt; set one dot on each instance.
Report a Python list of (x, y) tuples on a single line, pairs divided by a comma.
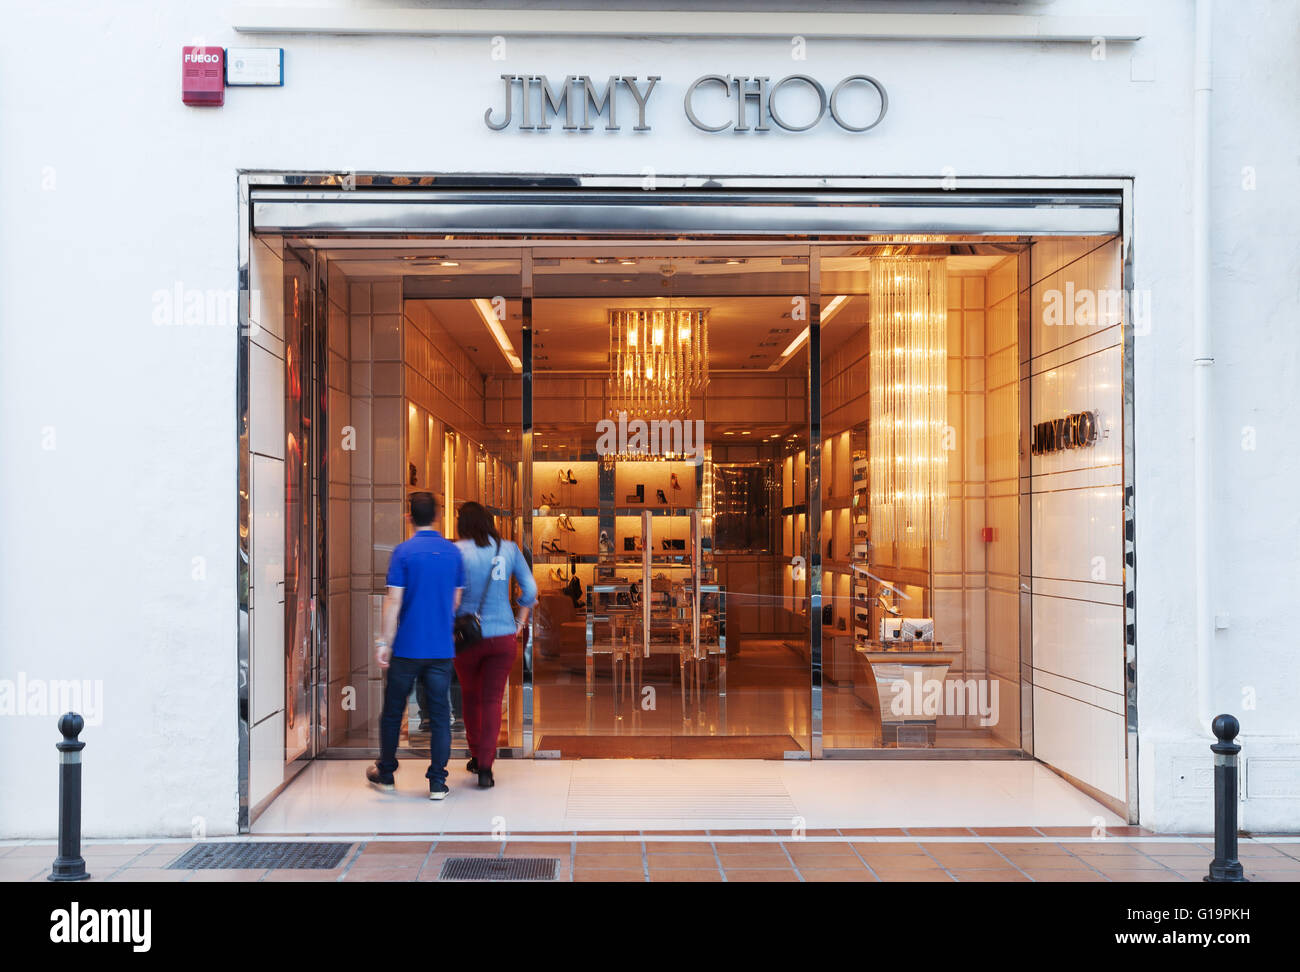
[(425, 578)]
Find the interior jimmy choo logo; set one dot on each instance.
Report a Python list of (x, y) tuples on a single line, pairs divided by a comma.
[(712, 103), (1072, 432)]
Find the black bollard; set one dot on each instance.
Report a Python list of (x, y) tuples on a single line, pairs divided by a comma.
[(1225, 866), (69, 865)]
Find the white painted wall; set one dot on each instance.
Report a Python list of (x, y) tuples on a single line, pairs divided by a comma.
[(111, 191)]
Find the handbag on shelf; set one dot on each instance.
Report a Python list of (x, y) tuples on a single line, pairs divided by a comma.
[(918, 629), (467, 629)]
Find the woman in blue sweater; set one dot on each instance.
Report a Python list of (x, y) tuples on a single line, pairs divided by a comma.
[(490, 562)]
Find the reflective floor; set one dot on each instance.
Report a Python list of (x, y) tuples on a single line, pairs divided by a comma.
[(331, 796), (764, 713)]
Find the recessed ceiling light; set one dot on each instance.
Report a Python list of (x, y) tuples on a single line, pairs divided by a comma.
[(448, 263)]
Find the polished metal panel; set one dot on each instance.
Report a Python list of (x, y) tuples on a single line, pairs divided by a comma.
[(319, 735), (411, 181), (1130, 530), (647, 548), (302, 613), (526, 478), (695, 582), (243, 514), (1025, 508), (813, 492), (709, 213)]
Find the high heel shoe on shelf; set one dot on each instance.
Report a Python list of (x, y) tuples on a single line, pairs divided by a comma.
[(568, 478), (564, 523), (662, 498), (673, 479)]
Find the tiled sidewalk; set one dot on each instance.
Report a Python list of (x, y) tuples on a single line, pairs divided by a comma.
[(744, 856)]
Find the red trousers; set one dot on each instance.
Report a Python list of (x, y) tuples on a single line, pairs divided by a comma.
[(483, 671)]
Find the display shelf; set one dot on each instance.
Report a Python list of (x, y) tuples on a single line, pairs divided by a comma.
[(837, 502), (585, 493), (654, 510), (653, 477)]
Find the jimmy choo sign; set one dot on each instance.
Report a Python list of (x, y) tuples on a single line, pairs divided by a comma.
[(712, 103)]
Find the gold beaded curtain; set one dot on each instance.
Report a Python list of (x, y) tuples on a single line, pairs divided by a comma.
[(659, 358), (909, 399)]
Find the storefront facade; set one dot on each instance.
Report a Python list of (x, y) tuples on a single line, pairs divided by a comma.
[(442, 240)]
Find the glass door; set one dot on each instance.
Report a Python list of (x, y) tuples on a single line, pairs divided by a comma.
[(669, 391), (421, 393), (921, 390)]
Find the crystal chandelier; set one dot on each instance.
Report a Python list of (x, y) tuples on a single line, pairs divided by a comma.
[(909, 399), (658, 359)]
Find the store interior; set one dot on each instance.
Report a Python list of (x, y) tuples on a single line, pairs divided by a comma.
[(671, 490)]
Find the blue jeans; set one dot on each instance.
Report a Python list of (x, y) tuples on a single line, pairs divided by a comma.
[(435, 675)]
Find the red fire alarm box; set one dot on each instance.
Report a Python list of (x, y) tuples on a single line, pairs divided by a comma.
[(203, 75)]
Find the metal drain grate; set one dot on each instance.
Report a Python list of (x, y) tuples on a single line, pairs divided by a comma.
[(498, 869), (294, 855)]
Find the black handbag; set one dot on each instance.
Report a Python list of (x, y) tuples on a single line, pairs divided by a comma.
[(467, 629)]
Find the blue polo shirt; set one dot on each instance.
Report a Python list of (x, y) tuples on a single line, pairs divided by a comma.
[(428, 568)]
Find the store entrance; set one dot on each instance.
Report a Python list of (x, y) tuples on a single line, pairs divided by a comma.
[(769, 491), (636, 418), (783, 489), (668, 387)]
